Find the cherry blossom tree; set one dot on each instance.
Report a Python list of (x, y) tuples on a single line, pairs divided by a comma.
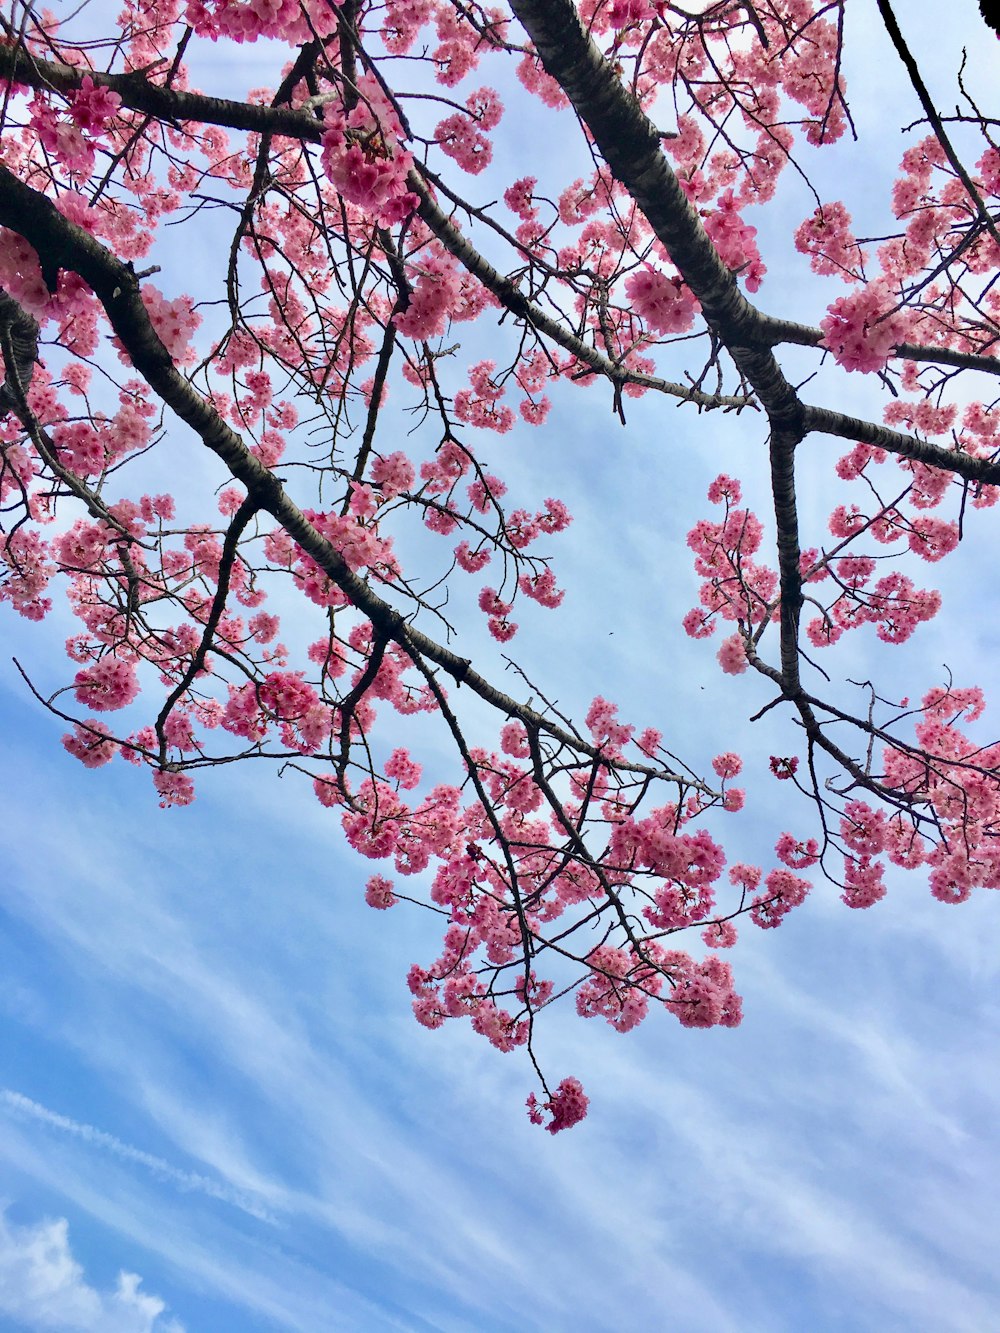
[(272, 617)]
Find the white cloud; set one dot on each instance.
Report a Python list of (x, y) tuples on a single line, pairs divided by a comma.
[(23, 1106), (44, 1287)]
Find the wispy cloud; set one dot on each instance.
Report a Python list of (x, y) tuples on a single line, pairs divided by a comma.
[(382, 1152), (17, 1104)]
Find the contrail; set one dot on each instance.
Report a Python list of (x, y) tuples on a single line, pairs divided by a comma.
[(188, 1181)]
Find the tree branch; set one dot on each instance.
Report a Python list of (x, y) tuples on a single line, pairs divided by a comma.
[(826, 421)]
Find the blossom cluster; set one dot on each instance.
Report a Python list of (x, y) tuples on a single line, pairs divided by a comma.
[(735, 587)]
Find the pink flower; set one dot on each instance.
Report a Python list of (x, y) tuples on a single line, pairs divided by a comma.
[(518, 198), (782, 891), (491, 603), (862, 329), (369, 179), (514, 740), (264, 627), (933, 538), (735, 240), (567, 1106), (733, 656), (784, 768), (502, 630), (174, 788), (400, 767), (623, 12), (698, 625), (393, 474), (720, 934), (92, 107), (175, 321), (90, 743), (863, 829), (665, 304), (109, 684), (828, 239), (379, 894), (541, 587), (461, 138), (863, 886), (535, 413), (472, 561), (728, 765), (795, 854), (724, 488)]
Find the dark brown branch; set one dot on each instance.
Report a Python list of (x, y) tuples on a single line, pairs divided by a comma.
[(20, 335), (825, 421), (241, 518), (350, 702), (781, 331), (782, 452), (631, 146)]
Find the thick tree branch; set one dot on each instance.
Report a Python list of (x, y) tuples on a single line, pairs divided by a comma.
[(825, 421), (782, 450), (20, 335), (782, 331), (631, 146)]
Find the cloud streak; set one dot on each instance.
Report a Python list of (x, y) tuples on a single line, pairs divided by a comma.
[(188, 1182)]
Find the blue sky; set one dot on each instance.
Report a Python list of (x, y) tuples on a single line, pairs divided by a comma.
[(212, 1083)]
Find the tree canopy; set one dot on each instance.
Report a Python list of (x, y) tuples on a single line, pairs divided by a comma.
[(381, 295)]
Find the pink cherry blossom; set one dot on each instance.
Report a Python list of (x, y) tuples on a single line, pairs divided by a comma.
[(662, 301), (109, 684)]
